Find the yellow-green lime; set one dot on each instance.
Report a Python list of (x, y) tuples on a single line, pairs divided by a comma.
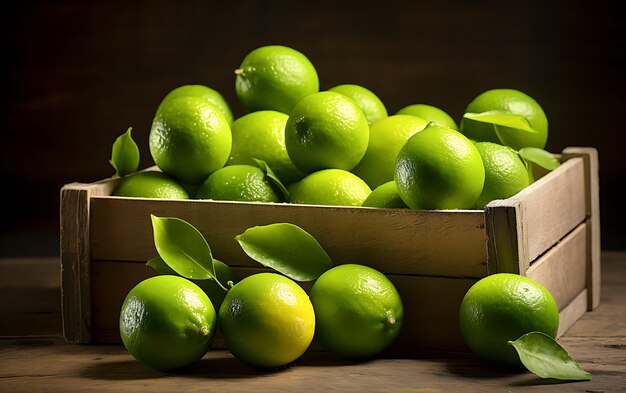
[(261, 135), (190, 139), (330, 187), (326, 130), (509, 101), (502, 307), (358, 310), (385, 196), (429, 113), (167, 322), (244, 183), (150, 184), (387, 136), (505, 173), (372, 107), (202, 91), (275, 77), (439, 168), (267, 320)]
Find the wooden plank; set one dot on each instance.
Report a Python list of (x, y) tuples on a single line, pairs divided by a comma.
[(592, 198), (75, 274), (395, 241), (431, 305), (563, 269), (522, 227), (572, 312)]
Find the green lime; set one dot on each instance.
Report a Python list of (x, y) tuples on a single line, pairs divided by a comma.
[(150, 184), (387, 136), (439, 168), (201, 91), (385, 196), (330, 187), (244, 183), (358, 311), (190, 139), (275, 77), (261, 135), (508, 101), (326, 130), (429, 113), (372, 107), (167, 322), (502, 307), (505, 173), (267, 320)]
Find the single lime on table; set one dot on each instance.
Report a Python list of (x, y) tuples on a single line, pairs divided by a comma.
[(429, 113), (261, 135), (244, 183), (505, 173), (501, 308), (511, 102), (330, 187), (326, 130), (372, 107), (387, 136), (358, 311), (267, 320), (275, 77), (211, 95), (190, 139), (167, 322), (439, 168), (150, 184)]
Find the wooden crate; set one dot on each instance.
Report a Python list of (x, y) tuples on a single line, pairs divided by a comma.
[(549, 232)]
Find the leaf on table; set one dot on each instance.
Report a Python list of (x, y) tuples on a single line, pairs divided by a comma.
[(183, 248), (124, 154), (540, 157), (286, 248), (545, 357)]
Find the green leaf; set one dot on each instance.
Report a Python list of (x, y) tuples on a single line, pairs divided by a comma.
[(540, 157), (543, 356), (286, 248), (273, 178), (124, 154), (502, 119), (183, 248), (159, 265)]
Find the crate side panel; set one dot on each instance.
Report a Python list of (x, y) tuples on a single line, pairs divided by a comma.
[(562, 270), (431, 305), (544, 213), (439, 243), (572, 312)]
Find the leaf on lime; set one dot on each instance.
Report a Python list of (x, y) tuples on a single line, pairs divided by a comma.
[(272, 177), (124, 154), (540, 157), (183, 248), (543, 356), (503, 119), (286, 248), (159, 265)]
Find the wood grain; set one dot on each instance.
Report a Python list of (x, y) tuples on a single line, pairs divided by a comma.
[(522, 227)]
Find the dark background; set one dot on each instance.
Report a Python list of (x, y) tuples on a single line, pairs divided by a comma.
[(76, 74)]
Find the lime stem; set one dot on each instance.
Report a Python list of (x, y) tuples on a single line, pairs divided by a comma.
[(230, 283), (204, 331), (239, 71)]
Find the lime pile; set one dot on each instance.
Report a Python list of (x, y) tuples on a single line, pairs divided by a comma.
[(333, 147)]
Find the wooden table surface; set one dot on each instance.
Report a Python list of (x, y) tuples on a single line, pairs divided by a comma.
[(34, 356)]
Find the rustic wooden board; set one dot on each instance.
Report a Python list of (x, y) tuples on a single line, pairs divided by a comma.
[(563, 269), (395, 241), (522, 227), (431, 305)]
